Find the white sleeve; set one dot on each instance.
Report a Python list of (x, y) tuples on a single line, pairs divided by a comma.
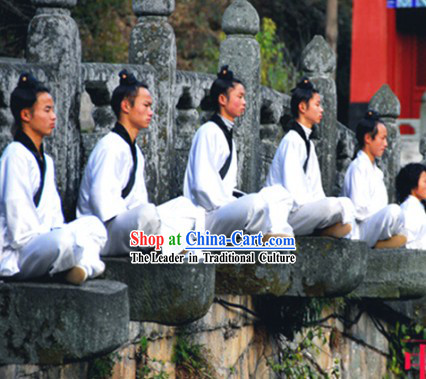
[(356, 188), (53, 197), (414, 223), (292, 157), (207, 156), (21, 216), (105, 190)]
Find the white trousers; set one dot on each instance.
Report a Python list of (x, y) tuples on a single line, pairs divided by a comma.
[(265, 211), (320, 214), (382, 225), (177, 216), (76, 243)]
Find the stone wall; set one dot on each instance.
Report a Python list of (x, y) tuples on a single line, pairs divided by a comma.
[(82, 92), (236, 345)]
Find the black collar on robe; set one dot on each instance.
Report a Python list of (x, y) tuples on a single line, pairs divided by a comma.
[(21, 137), (294, 125), (122, 132), (228, 135)]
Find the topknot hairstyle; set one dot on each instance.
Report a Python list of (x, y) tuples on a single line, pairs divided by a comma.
[(408, 179), (128, 88), (303, 92), (224, 81), (25, 95), (367, 125)]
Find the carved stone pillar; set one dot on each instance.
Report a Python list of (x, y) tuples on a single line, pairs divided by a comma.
[(54, 39)]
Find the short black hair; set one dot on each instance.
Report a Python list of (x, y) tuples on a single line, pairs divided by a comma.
[(367, 125), (408, 179), (128, 88), (25, 95), (303, 92), (224, 81)]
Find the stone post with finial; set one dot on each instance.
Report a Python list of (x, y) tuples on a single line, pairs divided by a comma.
[(241, 52), (319, 64), (153, 42), (54, 39), (387, 105)]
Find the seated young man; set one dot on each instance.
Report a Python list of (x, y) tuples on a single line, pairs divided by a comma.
[(377, 223), (113, 185), (411, 190), (295, 167), (211, 172), (34, 240)]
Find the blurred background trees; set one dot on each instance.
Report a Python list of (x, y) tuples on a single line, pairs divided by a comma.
[(286, 27)]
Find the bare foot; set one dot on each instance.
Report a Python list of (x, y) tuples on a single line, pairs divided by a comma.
[(338, 230), (76, 275), (398, 240)]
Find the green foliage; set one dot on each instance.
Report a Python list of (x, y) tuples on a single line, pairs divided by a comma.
[(145, 364), (297, 326), (398, 345), (192, 360), (210, 56), (105, 28), (102, 368), (297, 360), (276, 72), (197, 25), (143, 344)]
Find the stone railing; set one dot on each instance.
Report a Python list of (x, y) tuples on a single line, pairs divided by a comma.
[(180, 294)]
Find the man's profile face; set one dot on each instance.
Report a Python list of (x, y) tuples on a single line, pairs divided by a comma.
[(233, 104), (377, 145), (41, 117), (140, 113), (313, 109)]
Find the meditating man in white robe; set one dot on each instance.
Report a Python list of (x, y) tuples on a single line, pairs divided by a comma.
[(34, 241), (378, 223), (113, 185), (295, 167), (211, 172), (411, 191)]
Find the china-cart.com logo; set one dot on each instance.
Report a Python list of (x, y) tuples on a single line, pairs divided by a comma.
[(416, 360)]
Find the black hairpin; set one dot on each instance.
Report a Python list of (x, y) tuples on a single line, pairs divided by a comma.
[(127, 79), (225, 73), (305, 83)]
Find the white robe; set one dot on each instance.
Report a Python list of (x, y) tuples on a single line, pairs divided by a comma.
[(311, 208), (414, 223), (265, 211), (106, 175), (287, 169), (107, 172), (34, 240), (375, 219)]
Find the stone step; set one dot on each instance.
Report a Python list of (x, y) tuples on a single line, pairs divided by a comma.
[(394, 274), (170, 294), (51, 323), (324, 267)]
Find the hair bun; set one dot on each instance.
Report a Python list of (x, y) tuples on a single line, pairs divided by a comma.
[(27, 81), (371, 115), (305, 83), (127, 79), (225, 73)]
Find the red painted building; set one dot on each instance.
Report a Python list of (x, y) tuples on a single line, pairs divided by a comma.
[(388, 46)]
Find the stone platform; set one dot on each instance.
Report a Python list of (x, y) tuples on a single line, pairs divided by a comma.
[(324, 267), (394, 274), (170, 294), (50, 323)]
